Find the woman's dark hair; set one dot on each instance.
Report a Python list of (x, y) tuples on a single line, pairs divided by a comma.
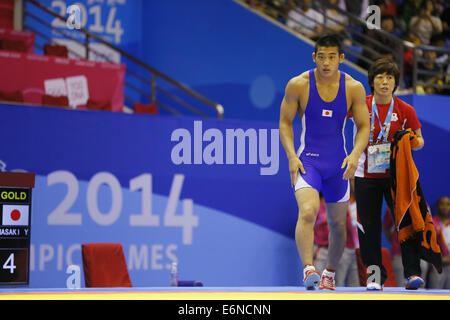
[(329, 40), (381, 66)]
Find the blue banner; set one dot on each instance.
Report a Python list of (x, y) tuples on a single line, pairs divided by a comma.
[(116, 21), (213, 195)]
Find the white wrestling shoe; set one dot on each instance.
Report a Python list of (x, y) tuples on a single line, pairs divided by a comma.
[(311, 277), (327, 280), (374, 286)]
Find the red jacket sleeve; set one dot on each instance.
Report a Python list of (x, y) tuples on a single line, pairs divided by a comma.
[(411, 117)]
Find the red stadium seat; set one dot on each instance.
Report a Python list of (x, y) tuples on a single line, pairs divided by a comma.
[(98, 105), (13, 45), (7, 14), (7, 4), (61, 101), (13, 96), (13, 40), (145, 108), (104, 265), (56, 50)]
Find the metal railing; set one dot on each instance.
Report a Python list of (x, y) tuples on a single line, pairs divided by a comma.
[(428, 72), (143, 83), (365, 47)]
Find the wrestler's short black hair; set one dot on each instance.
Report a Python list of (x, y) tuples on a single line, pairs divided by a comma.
[(381, 66), (329, 40)]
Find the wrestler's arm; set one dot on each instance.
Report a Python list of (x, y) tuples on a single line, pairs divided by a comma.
[(289, 107), (362, 122)]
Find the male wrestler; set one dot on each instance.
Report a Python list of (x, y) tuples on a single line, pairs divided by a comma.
[(323, 97)]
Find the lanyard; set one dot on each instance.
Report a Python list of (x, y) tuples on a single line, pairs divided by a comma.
[(387, 122)]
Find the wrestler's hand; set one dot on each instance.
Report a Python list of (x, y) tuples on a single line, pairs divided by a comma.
[(352, 164), (294, 166)]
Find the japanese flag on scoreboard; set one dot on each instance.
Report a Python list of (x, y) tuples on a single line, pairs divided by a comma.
[(14, 215)]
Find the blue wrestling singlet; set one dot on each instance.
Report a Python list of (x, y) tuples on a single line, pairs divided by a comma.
[(322, 149)]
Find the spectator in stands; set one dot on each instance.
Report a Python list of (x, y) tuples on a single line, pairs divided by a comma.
[(439, 41), (430, 80), (388, 25), (440, 6), (357, 7), (426, 24), (442, 60), (411, 40), (386, 46), (306, 20), (445, 18), (389, 8), (441, 222), (408, 9), (278, 9), (337, 22)]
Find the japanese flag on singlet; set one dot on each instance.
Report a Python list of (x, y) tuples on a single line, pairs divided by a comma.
[(327, 113)]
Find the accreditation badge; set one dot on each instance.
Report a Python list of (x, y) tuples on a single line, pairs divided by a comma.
[(378, 158)]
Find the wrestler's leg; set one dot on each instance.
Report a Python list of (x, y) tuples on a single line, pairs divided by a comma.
[(336, 192), (308, 207), (337, 218)]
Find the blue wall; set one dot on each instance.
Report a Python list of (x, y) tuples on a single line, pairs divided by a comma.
[(237, 59), (433, 161), (227, 53), (122, 170), (109, 177)]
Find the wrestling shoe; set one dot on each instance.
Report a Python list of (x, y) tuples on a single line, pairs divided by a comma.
[(374, 286), (414, 283), (311, 277), (327, 280)]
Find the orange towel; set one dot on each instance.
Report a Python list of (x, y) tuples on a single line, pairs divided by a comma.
[(412, 217)]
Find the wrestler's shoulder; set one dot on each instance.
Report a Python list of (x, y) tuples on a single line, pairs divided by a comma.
[(301, 81), (351, 82), (354, 87)]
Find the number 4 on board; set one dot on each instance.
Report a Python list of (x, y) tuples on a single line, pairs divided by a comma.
[(9, 263), (186, 220)]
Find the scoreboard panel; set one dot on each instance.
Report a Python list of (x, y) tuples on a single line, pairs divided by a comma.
[(15, 231), (14, 266)]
